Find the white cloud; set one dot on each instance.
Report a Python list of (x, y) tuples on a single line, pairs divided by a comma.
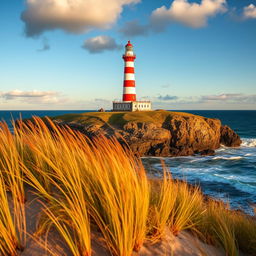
[(101, 43), (134, 28), (250, 12), (19, 99), (31, 97), (75, 16), (231, 97), (26, 94), (102, 101), (225, 98), (190, 14), (167, 97)]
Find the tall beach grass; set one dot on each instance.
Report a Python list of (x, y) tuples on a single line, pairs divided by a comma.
[(95, 185), (11, 157)]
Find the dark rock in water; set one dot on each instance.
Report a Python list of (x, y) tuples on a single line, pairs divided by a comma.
[(207, 152), (229, 138), (157, 133)]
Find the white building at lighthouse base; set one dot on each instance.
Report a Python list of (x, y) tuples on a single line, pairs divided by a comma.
[(132, 106)]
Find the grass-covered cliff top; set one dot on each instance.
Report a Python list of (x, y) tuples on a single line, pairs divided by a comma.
[(120, 118)]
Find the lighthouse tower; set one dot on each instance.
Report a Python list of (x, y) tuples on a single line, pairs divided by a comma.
[(129, 92), (129, 102)]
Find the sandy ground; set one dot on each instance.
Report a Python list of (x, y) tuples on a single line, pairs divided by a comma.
[(183, 245)]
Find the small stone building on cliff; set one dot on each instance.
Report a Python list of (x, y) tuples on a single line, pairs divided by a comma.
[(132, 106)]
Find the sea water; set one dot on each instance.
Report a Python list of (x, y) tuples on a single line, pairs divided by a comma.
[(229, 175)]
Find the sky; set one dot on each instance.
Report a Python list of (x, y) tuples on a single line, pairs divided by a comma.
[(67, 54)]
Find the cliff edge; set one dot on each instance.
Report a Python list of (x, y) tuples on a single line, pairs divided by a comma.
[(156, 133)]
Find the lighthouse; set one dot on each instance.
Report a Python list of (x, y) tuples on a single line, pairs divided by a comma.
[(129, 100), (129, 92)]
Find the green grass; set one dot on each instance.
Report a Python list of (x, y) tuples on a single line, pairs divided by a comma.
[(119, 119)]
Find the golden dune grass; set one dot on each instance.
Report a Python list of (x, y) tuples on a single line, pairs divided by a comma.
[(217, 226), (188, 209), (101, 173), (245, 231), (163, 198), (11, 156), (97, 184), (8, 234), (60, 183)]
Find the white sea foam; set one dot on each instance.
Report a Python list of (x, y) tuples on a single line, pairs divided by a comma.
[(227, 158), (251, 143), (222, 148)]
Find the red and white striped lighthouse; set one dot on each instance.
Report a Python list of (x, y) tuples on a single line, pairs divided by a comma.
[(129, 102), (129, 92)]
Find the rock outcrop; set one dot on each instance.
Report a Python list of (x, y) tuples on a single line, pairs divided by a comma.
[(165, 134), (228, 137)]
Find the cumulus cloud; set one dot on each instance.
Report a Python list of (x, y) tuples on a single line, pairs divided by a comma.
[(134, 28), (250, 12), (167, 97), (193, 15), (74, 16), (101, 43)]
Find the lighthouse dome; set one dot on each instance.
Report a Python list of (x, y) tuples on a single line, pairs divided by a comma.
[(129, 49), (129, 44)]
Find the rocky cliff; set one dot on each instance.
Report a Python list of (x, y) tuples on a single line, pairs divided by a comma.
[(156, 133)]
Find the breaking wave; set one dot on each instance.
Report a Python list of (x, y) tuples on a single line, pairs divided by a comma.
[(227, 158), (248, 142), (229, 175)]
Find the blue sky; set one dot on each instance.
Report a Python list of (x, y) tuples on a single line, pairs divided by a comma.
[(190, 54)]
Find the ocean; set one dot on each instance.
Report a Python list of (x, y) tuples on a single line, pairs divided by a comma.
[(229, 175)]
